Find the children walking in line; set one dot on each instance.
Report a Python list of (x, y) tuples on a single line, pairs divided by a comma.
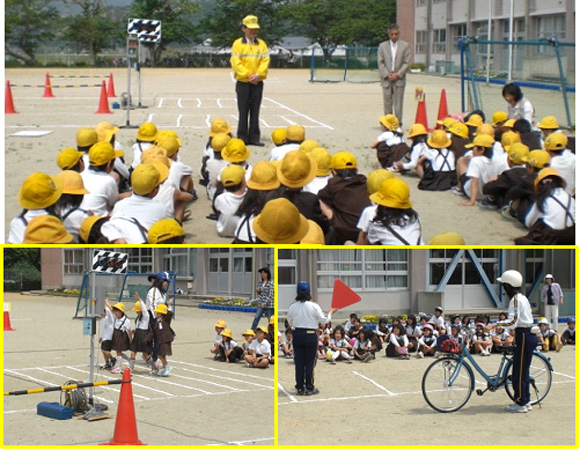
[(142, 335), (164, 335), (121, 332)]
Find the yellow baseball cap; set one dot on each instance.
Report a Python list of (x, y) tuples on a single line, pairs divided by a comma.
[(46, 230), (279, 136), (459, 129), (498, 116), (508, 138), (314, 236), (72, 183), (105, 131), (475, 120), (151, 153), (161, 308), (485, 128), (169, 143), (235, 151), (376, 178), (556, 142), (545, 173), (39, 191), (87, 226), (68, 157), (147, 132), (438, 139), (538, 159), (390, 122), (86, 137), (308, 145), (264, 177), (219, 125), (548, 123), (323, 159), (446, 123), (103, 152), (393, 193), (295, 133), (262, 329), (417, 129), (168, 133), (232, 175), (145, 178), (518, 152), (296, 169), (448, 238), (220, 324), (163, 230), (219, 141), (251, 22), (280, 222), (509, 123), (343, 160), (482, 140)]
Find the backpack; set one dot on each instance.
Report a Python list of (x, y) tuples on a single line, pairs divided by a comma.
[(447, 345)]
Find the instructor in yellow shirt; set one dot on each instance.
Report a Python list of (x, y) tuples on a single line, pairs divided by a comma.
[(250, 60)]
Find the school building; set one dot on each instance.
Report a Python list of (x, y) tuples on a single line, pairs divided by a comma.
[(199, 271), (432, 27), (403, 281)]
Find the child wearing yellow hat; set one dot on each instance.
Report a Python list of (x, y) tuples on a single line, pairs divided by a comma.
[(219, 326), (227, 203), (323, 172), (345, 197), (217, 126), (396, 222), (146, 135), (529, 137), (85, 139), (107, 132), (68, 205), (295, 135), (418, 136), (230, 351), (374, 181), (260, 350), (37, 196), (139, 341), (390, 145), (166, 231), (70, 159), (216, 164), (46, 230), (280, 222), (249, 336), (164, 335), (121, 332), (562, 159)]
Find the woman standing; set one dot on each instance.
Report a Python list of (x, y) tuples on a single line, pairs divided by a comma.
[(265, 292), (304, 316)]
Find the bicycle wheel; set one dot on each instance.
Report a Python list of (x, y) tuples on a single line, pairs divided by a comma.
[(540, 379), (447, 385)]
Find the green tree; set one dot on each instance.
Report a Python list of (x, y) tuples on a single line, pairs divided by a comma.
[(28, 24), (16, 257), (177, 26), (92, 28), (223, 23), (342, 22)]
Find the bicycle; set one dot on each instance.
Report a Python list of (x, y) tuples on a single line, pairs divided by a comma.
[(448, 382)]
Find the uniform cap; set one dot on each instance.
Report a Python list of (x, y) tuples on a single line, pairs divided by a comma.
[(475, 120), (169, 143), (145, 178), (151, 153), (232, 175), (219, 141), (314, 236), (264, 177), (482, 140), (446, 123), (343, 160), (296, 169), (219, 126), (508, 138), (498, 116), (323, 159), (161, 308), (72, 183), (220, 324), (548, 123), (459, 129), (393, 193), (438, 139), (227, 333), (295, 133), (103, 152), (308, 145), (168, 133), (249, 332), (448, 238), (280, 222), (147, 132), (509, 123), (46, 229), (163, 230), (538, 159), (418, 129), (68, 158), (390, 122), (120, 306), (485, 128), (511, 277), (137, 307), (556, 141), (279, 136), (86, 137), (235, 151), (549, 275), (39, 191), (87, 226), (545, 173), (262, 329), (303, 288), (376, 178), (517, 152), (105, 131), (251, 22)]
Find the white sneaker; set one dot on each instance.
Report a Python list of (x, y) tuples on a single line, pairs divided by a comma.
[(420, 355), (528, 406), (515, 408), (437, 354)]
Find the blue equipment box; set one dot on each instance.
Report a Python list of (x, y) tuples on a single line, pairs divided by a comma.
[(54, 410)]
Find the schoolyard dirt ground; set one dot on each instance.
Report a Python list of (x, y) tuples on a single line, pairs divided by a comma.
[(340, 116), (202, 401), (380, 403)]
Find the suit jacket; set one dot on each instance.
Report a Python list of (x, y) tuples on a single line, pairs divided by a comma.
[(402, 60)]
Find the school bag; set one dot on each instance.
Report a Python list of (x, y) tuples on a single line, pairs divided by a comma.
[(446, 344)]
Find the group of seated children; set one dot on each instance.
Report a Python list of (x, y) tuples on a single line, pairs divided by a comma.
[(255, 351)]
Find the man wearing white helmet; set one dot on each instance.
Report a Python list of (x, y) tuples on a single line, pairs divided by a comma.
[(553, 298), (520, 320)]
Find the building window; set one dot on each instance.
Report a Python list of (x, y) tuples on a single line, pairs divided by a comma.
[(421, 3), (140, 260), (73, 261), (465, 272), (420, 42), (380, 269), (439, 39), (458, 32), (182, 261), (548, 26), (534, 265)]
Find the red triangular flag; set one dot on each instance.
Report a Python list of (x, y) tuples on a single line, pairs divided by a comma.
[(343, 296)]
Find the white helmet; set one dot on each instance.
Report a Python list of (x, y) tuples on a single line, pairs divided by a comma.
[(511, 277)]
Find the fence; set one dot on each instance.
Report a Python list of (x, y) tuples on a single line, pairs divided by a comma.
[(352, 64), (543, 68), (21, 281)]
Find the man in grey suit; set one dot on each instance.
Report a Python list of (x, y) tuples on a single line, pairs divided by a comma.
[(394, 57)]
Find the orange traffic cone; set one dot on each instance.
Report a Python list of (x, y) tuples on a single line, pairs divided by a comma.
[(47, 87), (126, 424), (111, 87), (443, 111), (7, 326), (421, 116), (103, 102), (8, 102)]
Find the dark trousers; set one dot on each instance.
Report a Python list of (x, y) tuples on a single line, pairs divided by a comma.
[(268, 312), (525, 344), (249, 102), (305, 345)]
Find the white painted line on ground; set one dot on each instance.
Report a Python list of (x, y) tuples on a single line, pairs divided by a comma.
[(358, 397), (19, 411), (290, 122), (299, 113), (179, 103), (381, 387), (246, 442), (208, 120), (236, 118), (150, 118), (174, 375), (219, 102), (221, 370), (198, 102), (160, 104), (179, 120), (564, 375), (226, 378), (265, 123), (288, 394), (183, 386), (38, 380)]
